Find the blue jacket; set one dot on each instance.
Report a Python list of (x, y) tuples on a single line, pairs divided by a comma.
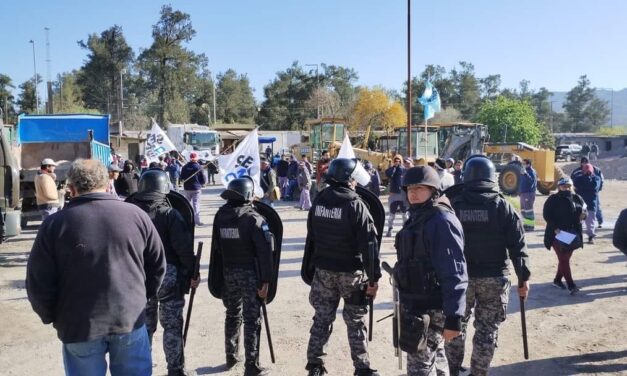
[(588, 186), (395, 174), (529, 181), (174, 170), (195, 183)]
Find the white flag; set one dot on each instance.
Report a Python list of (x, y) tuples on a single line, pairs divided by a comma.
[(346, 151), (244, 161), (157, 143)]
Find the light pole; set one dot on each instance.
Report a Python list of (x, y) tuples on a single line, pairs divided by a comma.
[(317, 87), (213, 84), (35, 78), (121, 107), (409, 151)]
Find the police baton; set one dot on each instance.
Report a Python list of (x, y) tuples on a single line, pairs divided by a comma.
[(196, 275), (396, 315), (371, 246), (264, 309), (523, 322)]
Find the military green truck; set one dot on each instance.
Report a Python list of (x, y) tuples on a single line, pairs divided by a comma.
[(10, 206)]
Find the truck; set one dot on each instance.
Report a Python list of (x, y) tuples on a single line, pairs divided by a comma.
[(200, 139), (10, 208), (63, 138)]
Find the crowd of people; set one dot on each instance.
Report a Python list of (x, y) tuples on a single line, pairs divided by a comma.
[(106, 287)]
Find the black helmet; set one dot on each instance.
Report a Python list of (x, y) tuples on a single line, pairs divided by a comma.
[(423, 175), (242, 189), (479, 168), (341, 169), (154, 181)]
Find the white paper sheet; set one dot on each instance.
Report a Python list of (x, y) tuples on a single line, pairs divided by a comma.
[(565, 237)]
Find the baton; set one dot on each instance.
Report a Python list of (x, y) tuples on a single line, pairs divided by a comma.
[(264, 311), (523, 322), (371, 284), (192, 293)]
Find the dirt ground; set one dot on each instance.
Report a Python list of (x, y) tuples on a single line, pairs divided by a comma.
[(568, 335)]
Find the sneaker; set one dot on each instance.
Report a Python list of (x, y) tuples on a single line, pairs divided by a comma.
[(366, 372), (559, 284), (600, 225), (318, 370), (231, 361), (591, 239), (573, 290), (252, 370)]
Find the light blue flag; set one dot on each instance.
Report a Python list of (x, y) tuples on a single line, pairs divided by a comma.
[(430, 100)]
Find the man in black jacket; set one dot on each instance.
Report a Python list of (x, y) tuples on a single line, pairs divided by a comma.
[(620, 232), (340, 227), (178, 241), (90, 270), (242, 237), (494, 235)]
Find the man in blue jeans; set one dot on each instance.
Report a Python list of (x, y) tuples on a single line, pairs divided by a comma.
[(91, 269), (193, 179)]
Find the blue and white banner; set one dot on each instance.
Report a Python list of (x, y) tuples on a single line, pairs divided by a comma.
[(157, 143), (430, 100), (244, 161)]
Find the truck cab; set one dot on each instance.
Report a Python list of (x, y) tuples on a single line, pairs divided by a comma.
[(10, 205)]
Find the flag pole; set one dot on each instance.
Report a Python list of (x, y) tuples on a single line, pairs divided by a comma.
[(409, 151)]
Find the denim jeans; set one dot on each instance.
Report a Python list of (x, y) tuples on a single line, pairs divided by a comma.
[(194, 199), (129, 354)]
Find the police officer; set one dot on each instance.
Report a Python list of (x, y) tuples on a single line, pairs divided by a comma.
[(494, 235), (243, 240), (431, 273), (178, 241), (340, 227)]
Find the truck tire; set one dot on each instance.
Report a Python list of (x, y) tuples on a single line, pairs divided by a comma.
[(545, 188), (509, 179)]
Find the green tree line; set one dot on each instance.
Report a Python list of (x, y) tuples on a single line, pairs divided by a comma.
[(171, 83)]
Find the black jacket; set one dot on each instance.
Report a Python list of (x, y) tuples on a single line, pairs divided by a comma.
[(340, 226), (240, 234), (620, 232), (126, 184), (562, 210), (493, 232), (92, 267)]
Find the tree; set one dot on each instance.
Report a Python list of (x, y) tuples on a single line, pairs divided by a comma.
[(577, 100), (27, 101), (328, 102), (99, 78), (467, 97), (202, 107), (236, 103), (597, 113), (6, 98), (171, 70), (67, 95), (490, 86), (374, 108), (510, 120)]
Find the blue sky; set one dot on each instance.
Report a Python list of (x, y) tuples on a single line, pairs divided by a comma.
[(549, 42)]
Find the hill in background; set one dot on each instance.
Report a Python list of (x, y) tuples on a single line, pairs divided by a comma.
[(619, 104)]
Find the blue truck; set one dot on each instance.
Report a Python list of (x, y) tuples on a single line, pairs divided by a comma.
[(62, 138)]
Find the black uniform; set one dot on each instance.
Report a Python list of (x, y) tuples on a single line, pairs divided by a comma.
[(177, 239), (494, 234), (340, 227), (242, 237)]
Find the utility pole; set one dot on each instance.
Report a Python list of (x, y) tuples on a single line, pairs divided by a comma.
[(49, 103), (409, 153), (35, 78), (121, 107), (214, 97)]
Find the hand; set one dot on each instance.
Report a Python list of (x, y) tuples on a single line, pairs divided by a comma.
[(449, 334), (372, 290), (263, 292), (557, 231), (523, 291), (195, 282)]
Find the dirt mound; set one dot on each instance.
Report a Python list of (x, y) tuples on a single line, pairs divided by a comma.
[(613, 168)]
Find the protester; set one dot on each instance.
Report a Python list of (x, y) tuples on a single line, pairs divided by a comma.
[(268, 182), (585, 151), (292, 175), (450, 162), (321, 169), (193, 180), (599, 173), (46, 193), (114, 174), (174, 172), (282, 168), (268, 152), (304, 183), (396, 198), (126, 183), (563, 211), (620, 232), (446, 179), (212, 171), (375, 180), (305, 158), (528, 186), (90, 270), (457, 173), (587, 185), (594, 151)]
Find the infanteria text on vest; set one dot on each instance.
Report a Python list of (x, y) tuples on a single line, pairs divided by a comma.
[(332, 213)]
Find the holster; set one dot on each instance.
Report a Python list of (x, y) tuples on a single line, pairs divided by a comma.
[(414, 332)]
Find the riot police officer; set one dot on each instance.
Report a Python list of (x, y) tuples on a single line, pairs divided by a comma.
[(178, 240), (241, 237), (494, 235), (430, 274), (340, 228)]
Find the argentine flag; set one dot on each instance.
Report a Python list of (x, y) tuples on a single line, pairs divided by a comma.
[(430, 100)]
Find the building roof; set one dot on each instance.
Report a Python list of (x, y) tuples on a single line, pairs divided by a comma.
[(234, 127)]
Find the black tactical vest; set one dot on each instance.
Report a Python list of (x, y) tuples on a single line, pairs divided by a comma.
[(235, 235), (416, 278)]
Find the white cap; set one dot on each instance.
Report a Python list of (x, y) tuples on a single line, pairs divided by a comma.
[(48, 162)]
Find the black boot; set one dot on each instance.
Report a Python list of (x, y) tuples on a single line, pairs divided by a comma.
[(231, 361), (181, 372), (255, 370), (316, 370), (366, 372)]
